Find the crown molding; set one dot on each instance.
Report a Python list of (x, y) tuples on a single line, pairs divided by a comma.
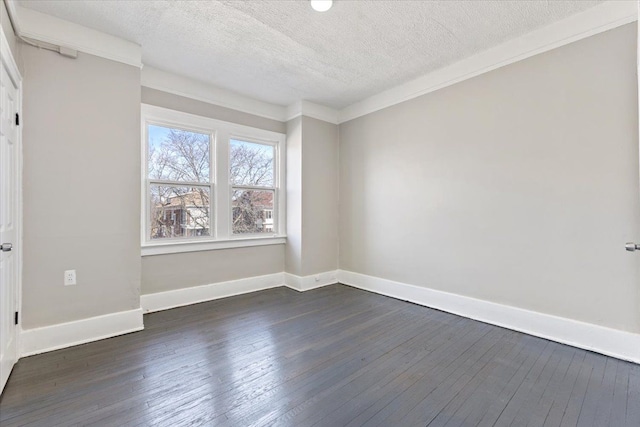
[(200, 91), (48, 29), (595, 20), (45, 28), (184, 86), (310, 109)]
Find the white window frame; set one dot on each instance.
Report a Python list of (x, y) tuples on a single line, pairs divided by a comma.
[(220, 186)]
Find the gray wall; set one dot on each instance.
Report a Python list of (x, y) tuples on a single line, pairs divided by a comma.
[(519, 186), (293, 249), (320, 196), (81, 186), (175, 271), (312, 196), (188, 105)]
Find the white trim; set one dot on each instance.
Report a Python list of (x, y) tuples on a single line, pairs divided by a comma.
[(187, 296), (46, 28), (316, 111), (209, 245), (611, 342), (200, 91), (62, 335), (312, 281), (606, 16), (175, 84), (8, 62)]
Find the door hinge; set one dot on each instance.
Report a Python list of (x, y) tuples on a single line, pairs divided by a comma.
[(17, 119), (15, 318)]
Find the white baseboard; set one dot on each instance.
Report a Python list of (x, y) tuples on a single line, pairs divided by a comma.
[(611, 342), (313, 281), (187, 296), (54, 337)]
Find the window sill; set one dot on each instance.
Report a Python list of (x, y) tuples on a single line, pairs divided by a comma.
[(209, 245)]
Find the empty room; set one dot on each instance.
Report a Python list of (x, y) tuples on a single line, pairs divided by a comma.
[(319, 213)]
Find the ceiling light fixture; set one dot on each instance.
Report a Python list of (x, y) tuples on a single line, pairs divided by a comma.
[(321, 5)]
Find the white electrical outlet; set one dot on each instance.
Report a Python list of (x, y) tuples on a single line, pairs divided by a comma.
[(69, 277)]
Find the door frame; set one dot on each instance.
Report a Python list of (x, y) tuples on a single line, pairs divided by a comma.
[(8, 62)]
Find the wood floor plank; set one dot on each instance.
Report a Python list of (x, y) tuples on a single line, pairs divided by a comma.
[(398, 363), (263, 387), (589, 406), (576, 400), (619, 403), (334, 356), (448, 375), (445, 400), (312, 381), (605, 393), (512, 409), (474, 402), (380, 398), (534, 349), (633, 397), (527, 413), (554, 389)]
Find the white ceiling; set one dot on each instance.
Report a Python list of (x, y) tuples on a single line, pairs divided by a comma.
[(282, 51)]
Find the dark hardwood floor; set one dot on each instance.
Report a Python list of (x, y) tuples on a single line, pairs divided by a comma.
[(335, 356)]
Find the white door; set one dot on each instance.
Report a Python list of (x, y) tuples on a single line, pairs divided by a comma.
[(9, 263)]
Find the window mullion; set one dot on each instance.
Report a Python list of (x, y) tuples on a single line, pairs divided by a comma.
[(146, 208), (251, 187), (168, 183), (145, 199), (280, 202)]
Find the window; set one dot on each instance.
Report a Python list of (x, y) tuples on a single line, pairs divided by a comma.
[(252, 179), (209, 184), (179, 182)]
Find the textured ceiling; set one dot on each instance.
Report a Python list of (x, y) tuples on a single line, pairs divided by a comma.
[(283, 51)]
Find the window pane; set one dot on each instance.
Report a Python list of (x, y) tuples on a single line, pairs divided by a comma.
[(251, 164), (178, 155), (252, 211), (179, 212)]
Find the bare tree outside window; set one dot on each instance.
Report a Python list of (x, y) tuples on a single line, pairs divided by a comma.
[(249, 211), (252, 177), (178, 156), (251, 164)]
